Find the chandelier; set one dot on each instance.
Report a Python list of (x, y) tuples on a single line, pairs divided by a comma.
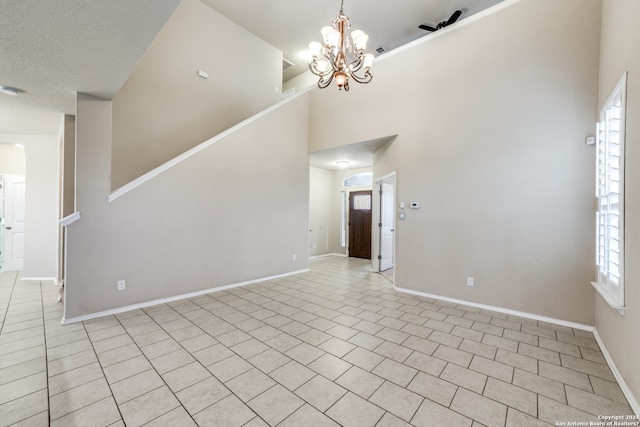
[(341, 58)]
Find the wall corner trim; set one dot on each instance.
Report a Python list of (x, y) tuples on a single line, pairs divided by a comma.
[(526, 315), (70, 219), (68, 321), (633, 402)]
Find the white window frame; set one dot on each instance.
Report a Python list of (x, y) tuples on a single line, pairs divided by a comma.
[(610, 149)]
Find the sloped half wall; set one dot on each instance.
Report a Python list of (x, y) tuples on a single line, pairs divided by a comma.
[(236, 211)]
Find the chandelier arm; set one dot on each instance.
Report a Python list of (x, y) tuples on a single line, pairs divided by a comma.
[(356, 65), (364, 79), (322, 83)]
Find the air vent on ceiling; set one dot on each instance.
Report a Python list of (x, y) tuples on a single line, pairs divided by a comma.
[(381, 49), (286, 64)]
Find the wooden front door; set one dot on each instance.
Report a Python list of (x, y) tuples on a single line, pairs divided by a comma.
[(360, 224)]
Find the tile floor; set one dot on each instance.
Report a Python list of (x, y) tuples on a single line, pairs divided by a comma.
[(334, 346)]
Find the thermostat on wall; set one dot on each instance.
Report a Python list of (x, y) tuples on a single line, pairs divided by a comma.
[(415, 205)]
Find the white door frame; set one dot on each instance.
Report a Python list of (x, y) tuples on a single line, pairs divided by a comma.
[(376, 237)]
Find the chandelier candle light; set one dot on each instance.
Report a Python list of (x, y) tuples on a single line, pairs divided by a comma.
[(341, 58)]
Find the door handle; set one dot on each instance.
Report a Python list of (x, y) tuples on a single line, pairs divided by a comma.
[(7, 228), (392, 230)]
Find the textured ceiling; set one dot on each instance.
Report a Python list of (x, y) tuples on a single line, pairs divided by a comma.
[(51, 49)]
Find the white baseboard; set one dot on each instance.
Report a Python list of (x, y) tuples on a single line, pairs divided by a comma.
[(526, 315), (326, 256), (112, 311), (633, 402)]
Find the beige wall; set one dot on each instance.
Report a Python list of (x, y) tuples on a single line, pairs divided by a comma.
[(620, 52), (12, 160), (491, 121), (235, 212), (321, 192), (164, 108)]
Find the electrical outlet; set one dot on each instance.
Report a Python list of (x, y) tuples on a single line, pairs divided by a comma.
[(469, 281), (294, 257), (121, 285)]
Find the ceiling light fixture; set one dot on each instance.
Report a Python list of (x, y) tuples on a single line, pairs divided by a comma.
[(8, 90), (342, 58), (343, 164)]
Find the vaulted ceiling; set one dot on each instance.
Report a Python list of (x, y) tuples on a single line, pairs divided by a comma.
[(51, 49)]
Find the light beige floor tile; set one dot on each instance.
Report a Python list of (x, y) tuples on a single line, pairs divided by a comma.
[(275, 404), (314, 337), (74, 361), (103, 412), (269, 360), (463, 377), (491, 368), (248, 349), (76, 398), (520, 337), (433, 388), (565, 375), (587, 367), (397, 400), (330, 366), (477, 407), (137, 385), (431, 414), (294, 328), (420, 344), (229, 368), (120, 354), (336, 346), (21, 370), (23, 408), (363, 358), (160, 348), (512, 396), (540, 385), (250, 384), (203, 394), (366, 341), (395, 336), (112, 343), (304, 353), (559, 346), (592, 355), (105, 333), (445, 338), (234, 337), (320, 392), (594, 404), (353, 411), (517, 360), (554, 412), (21, 344), (516, 418), (210, 355), (292, 375), (393, 351), (453, 355), (176, 417), (283, 342), (75, 377), (125, 369), (549, 356), (480, 349), (395, 372), (21, 356), (360, 382), (198, 342), (425, 363), (185, 376), (149, 406), (607, 389), (307, 416), (187, 333), (38, 420), (488, 329), (171, 361), (390, 420), (500, 342)]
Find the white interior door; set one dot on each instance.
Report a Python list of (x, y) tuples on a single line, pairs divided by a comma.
[(387, 228), (14, 190)]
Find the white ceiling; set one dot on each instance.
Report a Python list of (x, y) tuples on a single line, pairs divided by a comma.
[(51, 49)]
